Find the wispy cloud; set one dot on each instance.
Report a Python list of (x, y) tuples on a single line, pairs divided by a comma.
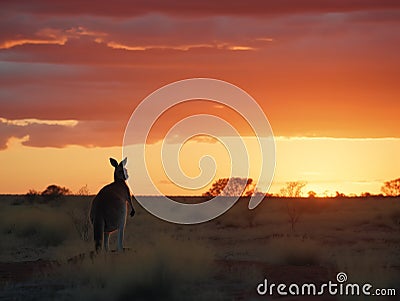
[(240, 48), (116, 45), (184, 47), (46, 36), (265, 39), (12, 43), (31, 121), (52, 36), (324, 138)]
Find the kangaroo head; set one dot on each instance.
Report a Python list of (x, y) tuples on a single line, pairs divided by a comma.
[(120, 172)]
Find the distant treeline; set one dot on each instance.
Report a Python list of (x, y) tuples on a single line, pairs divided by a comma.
[(234, 187)]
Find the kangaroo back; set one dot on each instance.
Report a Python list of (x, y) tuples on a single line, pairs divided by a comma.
[(109, 206)]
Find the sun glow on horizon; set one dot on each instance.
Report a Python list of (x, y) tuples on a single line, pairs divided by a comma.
[(349, 166)]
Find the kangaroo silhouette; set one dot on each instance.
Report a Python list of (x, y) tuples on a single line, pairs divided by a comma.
[(108, 208)]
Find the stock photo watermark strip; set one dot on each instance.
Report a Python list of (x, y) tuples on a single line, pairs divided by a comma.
[(340, 287)]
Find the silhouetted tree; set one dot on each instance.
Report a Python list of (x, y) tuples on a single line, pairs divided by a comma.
[(264, 194), (231, 187), (312, 194), (391, 188), (339, 195), (293, 189), (294, 212), (366, 194), (54, 191)]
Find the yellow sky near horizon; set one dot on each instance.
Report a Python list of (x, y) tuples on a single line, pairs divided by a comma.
[(347, 165)]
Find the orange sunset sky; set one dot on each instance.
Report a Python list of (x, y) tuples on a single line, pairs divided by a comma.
[(325, 73)]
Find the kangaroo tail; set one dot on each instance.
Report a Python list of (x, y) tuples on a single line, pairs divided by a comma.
[(98, 227)]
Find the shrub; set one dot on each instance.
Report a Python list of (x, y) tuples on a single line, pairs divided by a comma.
[(32, 196), (81, 222), (54, 191)]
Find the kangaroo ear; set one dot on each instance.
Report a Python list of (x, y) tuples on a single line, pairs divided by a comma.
[(114, 162), (123, 162)]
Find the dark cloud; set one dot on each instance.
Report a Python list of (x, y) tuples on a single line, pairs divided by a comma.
[(375, 17), (88, 134), (125, 8)]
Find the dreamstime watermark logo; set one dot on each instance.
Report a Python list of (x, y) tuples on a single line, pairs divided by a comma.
[(331, 288), (223, 94)]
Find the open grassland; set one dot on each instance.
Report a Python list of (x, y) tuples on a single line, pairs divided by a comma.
[(46, 250)]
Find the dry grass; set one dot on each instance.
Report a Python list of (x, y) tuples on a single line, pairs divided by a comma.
[(161, 272), (294, 251), (356, 236), (36, 227)]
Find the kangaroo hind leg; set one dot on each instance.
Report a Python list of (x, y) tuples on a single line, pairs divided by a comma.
[(121, 238), (106, 241)]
